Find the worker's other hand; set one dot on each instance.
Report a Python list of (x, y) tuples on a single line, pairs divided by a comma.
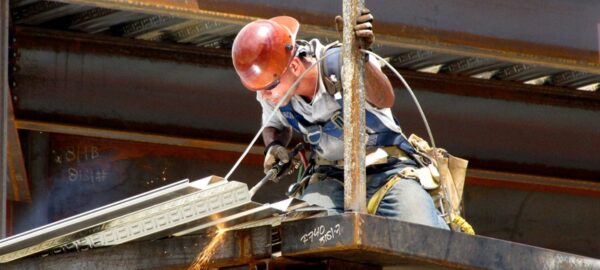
[(363, 28), (274, 154)]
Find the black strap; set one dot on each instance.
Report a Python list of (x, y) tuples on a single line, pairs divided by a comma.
[(274, 142)]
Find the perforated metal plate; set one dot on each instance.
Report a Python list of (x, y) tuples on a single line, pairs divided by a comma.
[(177, 209), (152, 214)]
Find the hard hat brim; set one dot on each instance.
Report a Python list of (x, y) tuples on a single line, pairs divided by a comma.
[(288, 22)]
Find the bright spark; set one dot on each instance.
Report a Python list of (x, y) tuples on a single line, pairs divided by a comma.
[(202, 260)]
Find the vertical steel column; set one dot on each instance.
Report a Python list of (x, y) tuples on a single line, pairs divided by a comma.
[(3, 114), (354, 112)]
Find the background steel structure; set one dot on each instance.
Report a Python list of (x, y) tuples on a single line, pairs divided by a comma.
[(4, 100), (362, 241), (511, 86), (533, 42)]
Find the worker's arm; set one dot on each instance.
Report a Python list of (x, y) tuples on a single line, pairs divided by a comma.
[(378, 89), (271, 134)]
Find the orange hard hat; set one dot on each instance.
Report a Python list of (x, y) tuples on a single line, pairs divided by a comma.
[(263, 49)]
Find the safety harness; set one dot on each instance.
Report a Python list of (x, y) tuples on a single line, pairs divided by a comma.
[(379, 135)]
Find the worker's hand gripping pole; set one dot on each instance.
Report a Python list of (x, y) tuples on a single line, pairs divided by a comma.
[(277, 170)]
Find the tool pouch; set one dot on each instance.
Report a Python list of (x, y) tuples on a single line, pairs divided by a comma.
[(451, 172)]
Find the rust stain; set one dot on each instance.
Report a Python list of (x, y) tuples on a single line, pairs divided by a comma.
[(19, 182)]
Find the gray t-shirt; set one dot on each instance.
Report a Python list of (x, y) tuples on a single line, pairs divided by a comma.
[(320, 110)]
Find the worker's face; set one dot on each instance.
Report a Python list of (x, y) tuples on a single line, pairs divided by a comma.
[(276, 92)]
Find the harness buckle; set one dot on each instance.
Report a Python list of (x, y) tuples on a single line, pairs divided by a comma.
[(313, 134), (338, 120)]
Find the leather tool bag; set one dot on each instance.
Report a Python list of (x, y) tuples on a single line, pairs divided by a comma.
[(452, 172)]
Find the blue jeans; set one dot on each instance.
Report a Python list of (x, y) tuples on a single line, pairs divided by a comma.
[(406, 200)]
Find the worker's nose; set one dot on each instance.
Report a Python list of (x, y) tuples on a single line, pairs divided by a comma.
[(268, 96), (265, 94)]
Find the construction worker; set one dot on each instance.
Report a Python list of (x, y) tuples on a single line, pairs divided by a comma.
[(268, 59)]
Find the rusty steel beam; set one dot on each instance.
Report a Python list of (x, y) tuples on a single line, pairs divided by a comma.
[(353, 76), (497, 89), (4, 100), (139, 85), (532, 182), (121, 69), (134, 136), (173, 8), (236, 248), (30, 38), (387, 242), (36, 39), (18, 190), (450, 26), (475, 177)]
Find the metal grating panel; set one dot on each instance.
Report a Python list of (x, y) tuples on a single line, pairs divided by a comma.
[(471, 66), (574, 79), (177, 209), (130, 219), (99, 19), (44, 11), (146, 25), (174, 213)]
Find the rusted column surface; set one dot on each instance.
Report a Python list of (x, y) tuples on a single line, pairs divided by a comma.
[(354, 113), (3, 113)]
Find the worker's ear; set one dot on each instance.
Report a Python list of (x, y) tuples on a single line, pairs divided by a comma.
[(296, 66)]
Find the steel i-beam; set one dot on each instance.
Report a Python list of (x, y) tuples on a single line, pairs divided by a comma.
[(384, 241)]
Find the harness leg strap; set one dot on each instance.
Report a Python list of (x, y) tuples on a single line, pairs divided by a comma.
[(373, 204)]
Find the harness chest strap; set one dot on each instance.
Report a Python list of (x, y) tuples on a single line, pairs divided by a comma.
[(380, 134)]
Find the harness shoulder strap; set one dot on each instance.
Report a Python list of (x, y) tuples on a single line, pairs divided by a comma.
[(294, 118), (331, 68), (381, 135)]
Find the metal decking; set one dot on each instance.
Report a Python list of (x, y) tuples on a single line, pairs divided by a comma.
[(214, 29)]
